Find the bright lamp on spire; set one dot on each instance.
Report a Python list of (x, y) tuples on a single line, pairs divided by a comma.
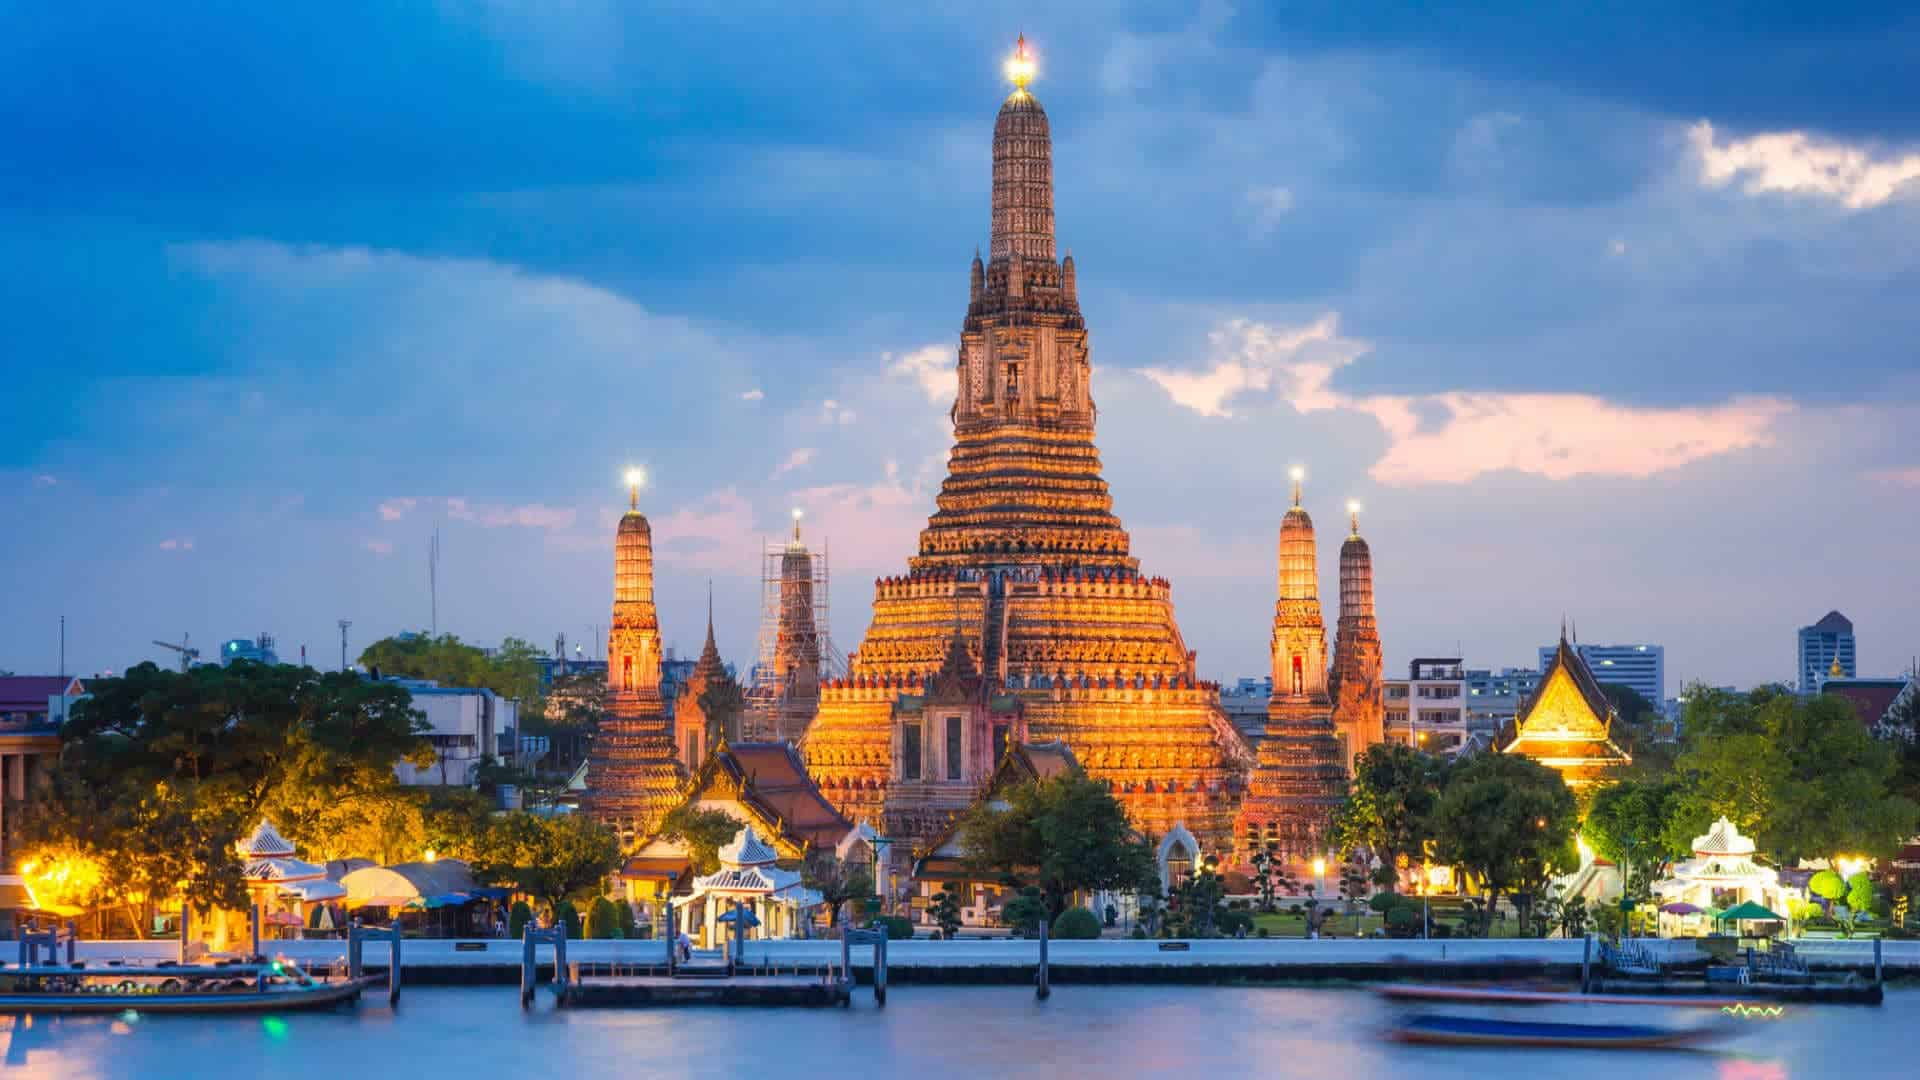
[(1298, 473), (1020, 65), (636, 477)]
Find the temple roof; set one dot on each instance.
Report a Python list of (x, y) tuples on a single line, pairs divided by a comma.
[(1566, 723), (773, 780), (264, 843), (747, 849), (1722, 839)]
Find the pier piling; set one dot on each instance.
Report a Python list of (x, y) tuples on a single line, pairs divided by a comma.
[(1040, 989)]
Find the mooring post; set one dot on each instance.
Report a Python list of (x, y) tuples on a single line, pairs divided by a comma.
[(1041, 989), (353, 950), (526, 965), (880, 963), (1586, 964), (393, 968), (560, 961), (846, 962), (673, 942), (253, 931), (1876, 962)]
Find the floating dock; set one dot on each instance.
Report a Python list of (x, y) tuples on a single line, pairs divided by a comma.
[(626, 991)]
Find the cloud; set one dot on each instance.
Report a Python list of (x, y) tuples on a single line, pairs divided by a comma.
[(176, 543), (1799, 163), (832, 412), (1254, 357), (796, 460), (45, 480), (870, 527), (527, 515), (378, 547), (1616, 247), (395, 509), (934, 367), (1906, 477), (1455, 436), (716, 534), (1269, 204), (754, 394)]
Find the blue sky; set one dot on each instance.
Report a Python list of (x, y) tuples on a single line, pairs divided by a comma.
[(1604, 314)]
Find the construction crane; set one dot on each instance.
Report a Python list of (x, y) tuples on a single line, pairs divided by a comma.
[(187, 653)]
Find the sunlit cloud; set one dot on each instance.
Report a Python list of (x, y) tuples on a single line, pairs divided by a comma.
[(716, 534), (395, 509), (933, 366), (176, 543), (1905, 477), (1799, 163), (378, 547), (1454, 437), (796, 460), (1269, 205), (832, 412), (754, 394), (45, 480)]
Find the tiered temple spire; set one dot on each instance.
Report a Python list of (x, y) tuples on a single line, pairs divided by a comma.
[(1359, 703), (634, 775), (1299, 779), (1023, 544)]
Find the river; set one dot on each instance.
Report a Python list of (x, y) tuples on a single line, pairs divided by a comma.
[(925, 1032)]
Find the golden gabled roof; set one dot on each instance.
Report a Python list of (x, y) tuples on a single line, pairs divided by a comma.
[(1567, 723)]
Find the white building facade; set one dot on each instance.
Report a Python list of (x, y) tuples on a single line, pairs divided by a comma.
[(464, 724)]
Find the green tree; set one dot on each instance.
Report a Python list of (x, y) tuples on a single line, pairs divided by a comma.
[(702, 831), (565, 914), (1630, 824), (1195, 904), (512, 670), (1272, 878), (1827, 885), (1508, 821), (550, 858), (518, 916), (161, 772), (945, 910), (1065, 835), (838, 881), (1076, 924), (1390, 803), (1023, 913)]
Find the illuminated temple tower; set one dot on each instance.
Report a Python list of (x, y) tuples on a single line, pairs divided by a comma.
[(1299, 780), (634, 775), (1359, 703), (1025, 560)]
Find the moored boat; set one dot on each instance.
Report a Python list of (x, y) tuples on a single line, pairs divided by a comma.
[(1436, 1030), (239, 988)]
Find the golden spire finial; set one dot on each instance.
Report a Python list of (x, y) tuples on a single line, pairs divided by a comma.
[(1020, 65), (636, 476), (1299, 473), (1353, 514)]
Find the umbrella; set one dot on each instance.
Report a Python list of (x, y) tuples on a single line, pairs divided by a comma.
[(325, 921), (1746, 911), (1680, 907), (737, 915)]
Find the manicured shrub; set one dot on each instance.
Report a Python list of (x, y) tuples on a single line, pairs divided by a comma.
[(1231, 923), (898, 928), (602, 920), (518, 916), (1402, 919), (1139, 933), (1384, 902), (564, 912), (628, 928), (1076, 924), (1262, 932), (1828, 885)]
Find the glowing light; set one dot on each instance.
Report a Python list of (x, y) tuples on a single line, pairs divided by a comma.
[(1586, 850), (636, 477), (431, 855), (798, 513), (1439, 877), (1020, 66), (1353, 506), (1297, 473), (1741, 1008), (1319, 866), (274, 1026), (1849, 865)]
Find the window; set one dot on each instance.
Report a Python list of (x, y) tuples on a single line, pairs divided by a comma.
[(954, 760), (999, 742), (910, 751)]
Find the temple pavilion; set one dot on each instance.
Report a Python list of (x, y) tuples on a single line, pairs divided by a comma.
[(750, 876), (1567, 724), (1720, 876)]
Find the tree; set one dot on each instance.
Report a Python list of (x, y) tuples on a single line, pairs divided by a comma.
[(837, 881), (162, 772), (702, 831), (1076, 924), (1195, 903), (1355, 885), (1630, 824), (1272, 878), (518, 916), (603, 922), (565, 914), (945, 911), (1573, 917), (1508, 821), (512, 670), (1389, 803), (1827, 885), (1066, 834), (551, 859), (1023, 913)]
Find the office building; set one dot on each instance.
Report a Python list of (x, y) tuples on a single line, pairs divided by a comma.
[(1821, 645), (464, 724), (1494, 697), (1427, 709)]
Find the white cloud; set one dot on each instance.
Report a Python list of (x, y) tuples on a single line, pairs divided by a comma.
[(395, 509), (526, 515), (1253, 357), (45, 480), (796, 460), (715, 534), (1799, 163), (1906, 477), (754, 394), (176, 543), (832, 412), (1454, 437), (1617, 247), (378, 547), (1270, 204), (934, 367)]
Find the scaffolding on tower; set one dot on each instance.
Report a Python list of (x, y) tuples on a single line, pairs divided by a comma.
[(795, 652)]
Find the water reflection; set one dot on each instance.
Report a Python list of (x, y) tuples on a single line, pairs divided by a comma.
[(925, 1033)]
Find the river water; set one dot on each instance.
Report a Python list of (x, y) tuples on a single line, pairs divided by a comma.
[(926, 1032)]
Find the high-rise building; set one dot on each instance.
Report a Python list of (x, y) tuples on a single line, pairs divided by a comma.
[(1822, 645), (1427, 709), (634, 775), (1024, 557), (1300, 777), (1494, 697), (1640, 668)]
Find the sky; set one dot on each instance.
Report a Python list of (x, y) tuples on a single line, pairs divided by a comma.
[(1599, 314)]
